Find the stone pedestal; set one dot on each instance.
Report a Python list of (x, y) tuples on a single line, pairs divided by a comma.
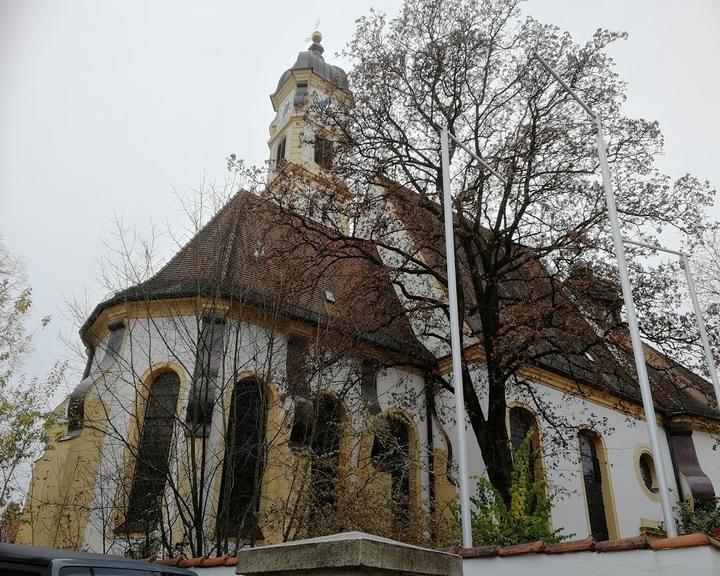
[(347, 554)]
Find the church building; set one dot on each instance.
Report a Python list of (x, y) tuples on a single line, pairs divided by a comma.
[(272, 381)]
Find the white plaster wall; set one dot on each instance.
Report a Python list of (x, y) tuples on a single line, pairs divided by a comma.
[(250, 349), (678, 562), (215, 571), (147, 343), (621, 436), (423, 322)]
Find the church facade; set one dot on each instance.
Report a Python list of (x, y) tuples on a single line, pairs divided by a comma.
[(271, 382)]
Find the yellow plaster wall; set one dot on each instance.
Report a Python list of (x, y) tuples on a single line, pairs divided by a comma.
[(60, 495)]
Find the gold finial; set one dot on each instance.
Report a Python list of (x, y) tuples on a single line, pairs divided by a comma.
[(316, 36)]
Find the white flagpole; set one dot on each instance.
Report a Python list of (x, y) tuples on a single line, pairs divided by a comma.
[(685, 265), (701, 327), (455, 344), (637, 345)]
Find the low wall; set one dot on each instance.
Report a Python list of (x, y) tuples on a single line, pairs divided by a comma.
[(632, 563), (358, 554)]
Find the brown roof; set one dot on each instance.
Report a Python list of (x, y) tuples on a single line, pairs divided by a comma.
[(252, 252), (552, 330)]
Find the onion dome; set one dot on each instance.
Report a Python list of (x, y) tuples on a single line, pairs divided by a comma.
[(313, 58)]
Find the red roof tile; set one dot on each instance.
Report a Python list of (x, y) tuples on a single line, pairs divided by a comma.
[(528, 548), (571, 546), (253, 252), (687, 541)]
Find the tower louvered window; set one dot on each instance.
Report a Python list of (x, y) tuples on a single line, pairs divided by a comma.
[(324, 152), (244, 462), (593, 479), (280, 152), (391, 453), (151, 467)]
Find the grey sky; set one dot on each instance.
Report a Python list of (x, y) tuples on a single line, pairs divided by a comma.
[(105, 107)]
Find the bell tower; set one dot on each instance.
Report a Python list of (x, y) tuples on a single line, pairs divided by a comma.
[(294, 138)]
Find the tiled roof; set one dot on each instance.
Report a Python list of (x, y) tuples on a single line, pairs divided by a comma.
[(560, 344), (252, 252)]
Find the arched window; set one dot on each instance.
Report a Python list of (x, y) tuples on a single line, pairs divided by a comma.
[(151, 468), (391, 453), (593, 478), (325, 454), (280, 152), (244, 461), (324, 152), (522, 423)]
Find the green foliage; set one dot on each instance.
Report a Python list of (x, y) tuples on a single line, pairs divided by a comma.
[(24, 418), (526, 518), (698, 516), (10, 521)]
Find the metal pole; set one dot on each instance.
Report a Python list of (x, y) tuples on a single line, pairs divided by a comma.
[(455, 343), (653, 247), (685, 264), (637, 345), (480, 160), (701, 327)]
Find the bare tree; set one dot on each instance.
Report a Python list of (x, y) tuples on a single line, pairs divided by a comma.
[(232, 401), (534, 253), (24, 414)]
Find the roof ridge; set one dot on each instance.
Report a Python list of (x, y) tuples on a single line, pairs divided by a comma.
[(197, 233)]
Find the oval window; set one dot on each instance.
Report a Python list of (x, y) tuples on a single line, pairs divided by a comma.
[(647, 472)]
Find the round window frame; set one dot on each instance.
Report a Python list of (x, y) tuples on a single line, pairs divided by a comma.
[(640, 453)]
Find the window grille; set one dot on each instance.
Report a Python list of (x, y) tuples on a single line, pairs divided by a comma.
[(592, 477), (647, 472), (244, 462), (296, 366), (324, 152), (208, 362), (325, 453), (391, 453), (522, 422), (151, 468)]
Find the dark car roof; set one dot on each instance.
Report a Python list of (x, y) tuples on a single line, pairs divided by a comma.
[(37, 556)]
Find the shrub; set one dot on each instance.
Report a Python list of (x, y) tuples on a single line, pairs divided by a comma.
[(527, 516), (698, 516)]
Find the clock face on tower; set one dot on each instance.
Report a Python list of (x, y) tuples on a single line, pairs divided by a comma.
[(285, 112)]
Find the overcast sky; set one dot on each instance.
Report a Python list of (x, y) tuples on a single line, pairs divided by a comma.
[(107, 107)]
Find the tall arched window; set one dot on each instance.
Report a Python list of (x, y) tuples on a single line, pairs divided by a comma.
[(151, 467), (244, 461), (593, 478), (325, 454), (522, 423), (391, 453)]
